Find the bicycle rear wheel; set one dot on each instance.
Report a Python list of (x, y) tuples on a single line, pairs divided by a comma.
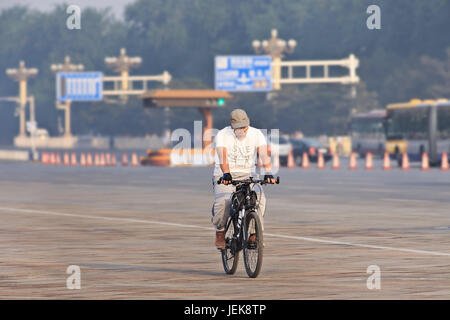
[(253, 245), (230, 256)]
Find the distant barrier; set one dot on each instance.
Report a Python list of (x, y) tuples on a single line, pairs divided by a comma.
[(204, 157), (14, 155), (87, 142)]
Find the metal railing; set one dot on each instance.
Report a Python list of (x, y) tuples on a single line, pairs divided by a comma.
[(136, 85)]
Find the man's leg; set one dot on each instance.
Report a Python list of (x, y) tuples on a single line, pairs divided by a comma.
[(222, 204), (221, 210)]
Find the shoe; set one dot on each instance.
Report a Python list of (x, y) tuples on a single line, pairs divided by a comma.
[(220, 240)]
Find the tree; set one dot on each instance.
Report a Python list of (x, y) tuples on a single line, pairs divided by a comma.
[(422, 78)]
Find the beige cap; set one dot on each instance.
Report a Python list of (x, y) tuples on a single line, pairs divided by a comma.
[(239, 119)]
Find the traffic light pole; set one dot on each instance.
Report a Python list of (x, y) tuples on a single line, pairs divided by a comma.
[(276, 47), (21, 76), (351, 63), (67, 66), (66, 107), (208, 117)]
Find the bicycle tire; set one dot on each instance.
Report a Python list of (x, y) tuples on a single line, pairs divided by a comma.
[(251, 250), (230, 257)]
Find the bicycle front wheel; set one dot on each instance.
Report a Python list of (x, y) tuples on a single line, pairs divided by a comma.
[(230, 256), (253, 245)]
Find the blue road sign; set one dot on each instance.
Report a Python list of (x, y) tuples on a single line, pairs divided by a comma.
[(243, 73), (79, 86)]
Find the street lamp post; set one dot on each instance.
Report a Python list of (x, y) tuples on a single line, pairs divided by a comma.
[(275, 47), (122, 64), (21, 75), (67, 66)]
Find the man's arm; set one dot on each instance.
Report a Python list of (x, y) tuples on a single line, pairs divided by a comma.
[(267, 163), (222, 153)]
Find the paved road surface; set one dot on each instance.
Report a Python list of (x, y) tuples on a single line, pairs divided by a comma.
[(145, 233)]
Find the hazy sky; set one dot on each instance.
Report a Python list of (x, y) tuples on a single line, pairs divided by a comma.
[(45, 5)]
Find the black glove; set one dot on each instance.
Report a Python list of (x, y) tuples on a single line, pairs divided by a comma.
[(267, 177), (226, 177)]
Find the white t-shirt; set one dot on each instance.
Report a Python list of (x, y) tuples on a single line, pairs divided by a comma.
[(241, 155)]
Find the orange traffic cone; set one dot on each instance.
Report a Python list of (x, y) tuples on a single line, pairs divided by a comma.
[(386, 162), (96, 160), (405, 161), (102, 159), (44, 158), (124, 159), (66, 159), (73, 161), (425, 162), (58, 159), (89, 160), (369, 162), (83, 159), (305, 161), (114, 160), (48, 158), (336, 164), (52, 158), (320, 162), (134, 160), (352, 161), (108, 159), (290, 160), (444, 162)]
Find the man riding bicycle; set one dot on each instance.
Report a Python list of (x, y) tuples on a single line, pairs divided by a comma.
[(237, 147)]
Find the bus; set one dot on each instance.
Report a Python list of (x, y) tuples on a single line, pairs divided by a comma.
[(416, 127), (367, 132)]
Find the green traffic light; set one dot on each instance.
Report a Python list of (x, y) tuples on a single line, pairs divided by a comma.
[(221, 102)]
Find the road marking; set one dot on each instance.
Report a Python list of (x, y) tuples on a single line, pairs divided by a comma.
[(103, 218), (436, 253), (408, 200), (180, 225)]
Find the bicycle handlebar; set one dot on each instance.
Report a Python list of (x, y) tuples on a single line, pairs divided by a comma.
[(251, 180)]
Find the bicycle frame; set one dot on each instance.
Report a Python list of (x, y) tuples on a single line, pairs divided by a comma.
[(243, 201), (246, 204), (237, 240), (242, 212)]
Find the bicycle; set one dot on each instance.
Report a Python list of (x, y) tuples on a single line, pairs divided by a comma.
[(243, 230)]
